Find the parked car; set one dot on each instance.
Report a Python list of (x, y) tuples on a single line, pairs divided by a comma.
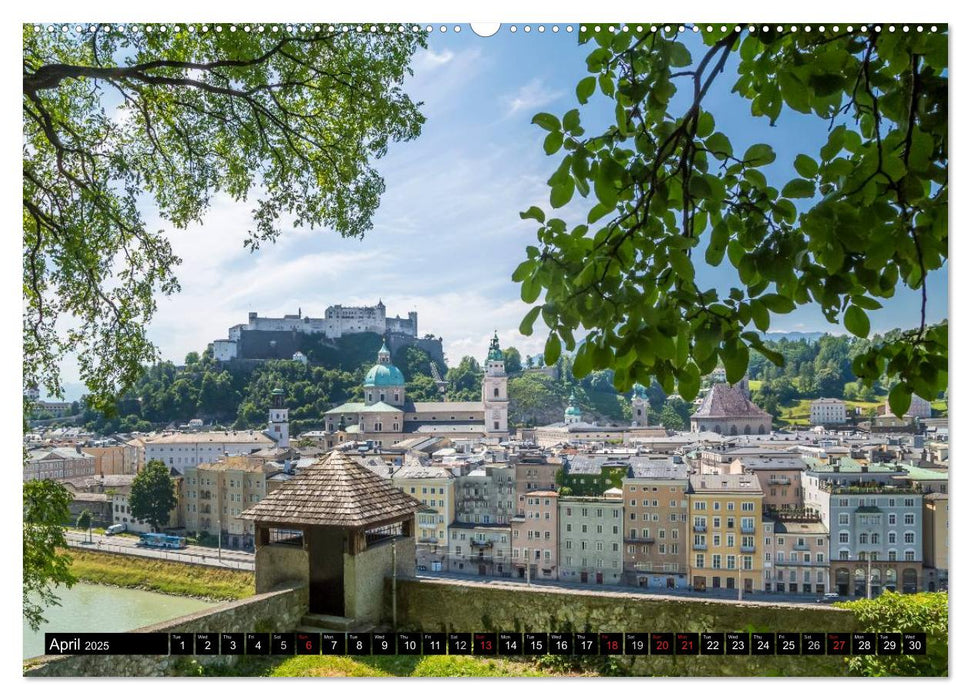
[(829, 598), (115, 529)]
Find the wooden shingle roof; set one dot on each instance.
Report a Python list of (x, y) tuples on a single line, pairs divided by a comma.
[(336, 491)]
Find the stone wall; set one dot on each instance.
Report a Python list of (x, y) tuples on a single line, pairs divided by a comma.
[(440, 606), (274, 611), (365, 577), (279, 564)]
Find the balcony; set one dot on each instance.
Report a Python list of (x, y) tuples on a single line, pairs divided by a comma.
[(699, 547), (748, 529), (700, 528), (801, 547), (779, 481), (488, 544), (748, 548), (640, 540)]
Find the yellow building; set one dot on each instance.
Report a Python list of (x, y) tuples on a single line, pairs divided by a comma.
[(725, 526), (216, 493), (434, 486)]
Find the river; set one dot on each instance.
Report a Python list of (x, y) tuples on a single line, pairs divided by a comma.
[(90, 608)]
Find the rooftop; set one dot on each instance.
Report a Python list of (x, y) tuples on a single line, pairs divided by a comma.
[(338, 492), (727, 401), (706, 483), (231, 436)]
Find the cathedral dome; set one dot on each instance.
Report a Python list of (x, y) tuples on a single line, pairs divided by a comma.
[(384, 375)]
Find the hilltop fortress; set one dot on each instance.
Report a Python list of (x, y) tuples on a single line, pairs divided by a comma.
[(277, 338)]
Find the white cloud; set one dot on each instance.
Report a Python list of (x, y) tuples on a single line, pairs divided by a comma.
[(532, 95)]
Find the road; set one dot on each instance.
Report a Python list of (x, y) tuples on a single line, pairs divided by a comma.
[(723, 595), (193, 554)]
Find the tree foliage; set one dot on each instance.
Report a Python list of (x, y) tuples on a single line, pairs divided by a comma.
[(898, 612), (152, 495), (864, 213), (46, 566), (289, 119)]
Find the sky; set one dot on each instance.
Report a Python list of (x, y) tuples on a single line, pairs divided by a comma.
[(448, 235)]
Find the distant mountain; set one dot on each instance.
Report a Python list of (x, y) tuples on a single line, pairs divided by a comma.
[(811, 336)]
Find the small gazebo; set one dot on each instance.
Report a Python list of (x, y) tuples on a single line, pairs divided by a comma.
[(339, 528)]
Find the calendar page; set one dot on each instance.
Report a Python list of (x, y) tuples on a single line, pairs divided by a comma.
[(521, 349)]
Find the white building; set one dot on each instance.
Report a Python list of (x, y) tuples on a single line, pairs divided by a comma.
[(181, 450), (337, 321), (827, 412)]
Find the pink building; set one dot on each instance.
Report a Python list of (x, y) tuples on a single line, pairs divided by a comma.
[(534, 535)]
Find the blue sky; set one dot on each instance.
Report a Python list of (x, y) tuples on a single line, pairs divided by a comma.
[(448, 235)]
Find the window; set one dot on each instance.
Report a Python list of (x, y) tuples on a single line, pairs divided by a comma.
[(700, 561), (844, 518), (908, 538), (891, 538), (908, 519)]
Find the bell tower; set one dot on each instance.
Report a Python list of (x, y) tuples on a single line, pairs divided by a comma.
[(495, 399), (279, 428)]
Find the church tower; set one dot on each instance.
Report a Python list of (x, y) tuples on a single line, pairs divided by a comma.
[(639, 406), (279, 428), (572, 414), (495, 399)]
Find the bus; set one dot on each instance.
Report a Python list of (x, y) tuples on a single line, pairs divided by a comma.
[(159, 540)]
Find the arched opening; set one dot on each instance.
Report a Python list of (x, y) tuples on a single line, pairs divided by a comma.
[(495, 392), (909, 581), (748, 429), (859, 582), (890, 580), (734, 430), (761, 430), (718, 429), (843, 581)]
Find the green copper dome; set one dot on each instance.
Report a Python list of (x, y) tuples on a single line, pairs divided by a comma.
[(573, 411), (384, 375)]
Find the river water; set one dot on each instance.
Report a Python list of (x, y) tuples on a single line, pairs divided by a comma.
[(91, 608)]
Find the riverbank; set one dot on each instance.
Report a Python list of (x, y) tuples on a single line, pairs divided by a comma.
[(161, 576)]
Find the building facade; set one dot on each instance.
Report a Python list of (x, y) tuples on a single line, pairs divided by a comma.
[(725, 516), (827, 412), (434, 486), (591, 540), (535, 536), (655, 528), (58, 463)]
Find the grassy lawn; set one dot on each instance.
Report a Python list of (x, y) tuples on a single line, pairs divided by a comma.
[(379, 667), (163, 576)]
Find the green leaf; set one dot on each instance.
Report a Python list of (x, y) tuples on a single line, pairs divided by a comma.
[(777, 303), (526, 325), (552, 142), (798, 188), (605, 190), (533, 213), (571, 121), (679, 55), (806, 166), (706, 124), (585, 89), (582, 362), (759, 154), (719, 145), (561, 194), (856, 321), (899, 399), (760, 316), (826, 83), (735, 358), (689, 381), (546, 121), (552, 351)]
